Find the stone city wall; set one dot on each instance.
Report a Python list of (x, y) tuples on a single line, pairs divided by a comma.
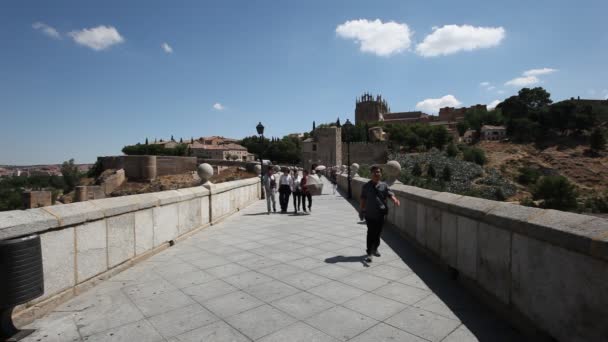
[(365, 153), (545, 270), (147, 168), (86, 242)]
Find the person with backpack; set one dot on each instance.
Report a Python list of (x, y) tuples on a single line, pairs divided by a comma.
[(270, 188), (373, 207)]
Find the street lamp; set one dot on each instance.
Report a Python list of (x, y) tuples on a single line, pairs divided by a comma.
[(348, 126), (260, 129)]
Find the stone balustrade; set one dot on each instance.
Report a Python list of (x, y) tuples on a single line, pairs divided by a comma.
[(85, 242), (544, 270)]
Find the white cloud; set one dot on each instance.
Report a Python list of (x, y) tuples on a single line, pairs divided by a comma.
[(493, 104), (529, 77), (433, 105), (484, 84), (167, 48), (450, 39), (501, 91), (522, 81), (382, 39), (218, 106), (538, 72), (97, 38), (490, 88), (46, 29)]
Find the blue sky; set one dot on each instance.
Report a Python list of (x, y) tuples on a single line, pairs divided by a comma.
[(82, 79)]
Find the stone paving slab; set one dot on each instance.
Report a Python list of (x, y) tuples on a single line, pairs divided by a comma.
[(278, 277)]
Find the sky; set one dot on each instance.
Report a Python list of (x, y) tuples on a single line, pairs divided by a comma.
[(83, 79)]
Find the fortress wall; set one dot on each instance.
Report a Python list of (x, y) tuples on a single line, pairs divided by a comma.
[(171, 165), (86, 242), (365, 153), (544, 270)]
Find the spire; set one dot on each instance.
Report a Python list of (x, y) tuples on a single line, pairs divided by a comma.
[(338, 123)]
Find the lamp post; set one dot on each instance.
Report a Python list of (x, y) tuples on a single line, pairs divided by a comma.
[(260, 130), (348, 126)]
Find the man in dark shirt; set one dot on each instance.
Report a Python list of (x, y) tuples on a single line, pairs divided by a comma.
[(373, 208)]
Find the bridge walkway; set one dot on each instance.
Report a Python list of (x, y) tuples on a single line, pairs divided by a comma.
[(278, 277)]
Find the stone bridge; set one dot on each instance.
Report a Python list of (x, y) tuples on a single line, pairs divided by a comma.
[(208, 264)]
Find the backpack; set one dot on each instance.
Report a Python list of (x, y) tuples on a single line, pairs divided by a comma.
[(273, 183)]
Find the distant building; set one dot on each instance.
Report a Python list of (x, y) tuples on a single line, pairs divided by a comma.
[(223, 151), (469, 136), (323, 148), (493, 132), (373, 109)]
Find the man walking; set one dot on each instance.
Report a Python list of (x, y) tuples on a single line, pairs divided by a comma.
[(373, 208), (285, 185), (270, 188)]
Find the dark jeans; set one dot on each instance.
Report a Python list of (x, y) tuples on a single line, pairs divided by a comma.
[(374, 230), (284, 192), (297, 199), (304, 197)]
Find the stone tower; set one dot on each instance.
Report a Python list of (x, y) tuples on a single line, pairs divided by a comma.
[(370, 109)]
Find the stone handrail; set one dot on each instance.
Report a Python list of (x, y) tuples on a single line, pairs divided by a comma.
[(85, 242), (545, 270)]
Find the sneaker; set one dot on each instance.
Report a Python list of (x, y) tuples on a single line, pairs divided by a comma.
[(376, 254), (369, 258), (310, 209)]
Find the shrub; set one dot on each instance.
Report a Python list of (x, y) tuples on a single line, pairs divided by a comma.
[(528, 175), (475, 155), (452, 150), (597, 140), (556, 192)]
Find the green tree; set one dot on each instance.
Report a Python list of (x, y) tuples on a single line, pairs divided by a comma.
[(71, 175), (446, 174), (556, 192), (462, 127), (597, 140), (439, 136), (535, 98), (417, 170), (430, 171)]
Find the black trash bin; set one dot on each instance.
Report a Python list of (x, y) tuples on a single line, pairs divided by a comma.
[(22, 280)]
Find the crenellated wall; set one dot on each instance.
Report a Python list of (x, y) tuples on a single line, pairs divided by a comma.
[(85, 242), (545, 270)]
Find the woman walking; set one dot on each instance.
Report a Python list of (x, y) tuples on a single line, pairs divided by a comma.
[(306, 192)]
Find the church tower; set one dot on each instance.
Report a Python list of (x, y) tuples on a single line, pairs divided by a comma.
[(370, 109)]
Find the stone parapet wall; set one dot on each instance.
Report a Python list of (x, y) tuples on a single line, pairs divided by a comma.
[(146, 168), (85, 242), (545, 270)]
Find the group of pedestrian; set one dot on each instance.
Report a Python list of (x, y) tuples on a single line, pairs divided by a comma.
[(289, 183), (373, 206)]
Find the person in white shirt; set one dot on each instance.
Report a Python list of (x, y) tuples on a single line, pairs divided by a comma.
[(270, 188), (297, 191), (285, 184)]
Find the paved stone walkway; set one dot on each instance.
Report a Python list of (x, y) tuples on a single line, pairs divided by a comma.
[(258, 277)]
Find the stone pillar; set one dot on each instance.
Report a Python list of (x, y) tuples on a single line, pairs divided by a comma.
[(148, 168), (80, 194)]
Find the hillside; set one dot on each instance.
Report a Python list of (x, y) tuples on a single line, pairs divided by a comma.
[(587, 173)]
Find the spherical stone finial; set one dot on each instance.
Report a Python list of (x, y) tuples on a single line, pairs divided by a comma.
[(354, 168), (276, 168), (392, 168), (205, 171), (257, 168), (344, 168)]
